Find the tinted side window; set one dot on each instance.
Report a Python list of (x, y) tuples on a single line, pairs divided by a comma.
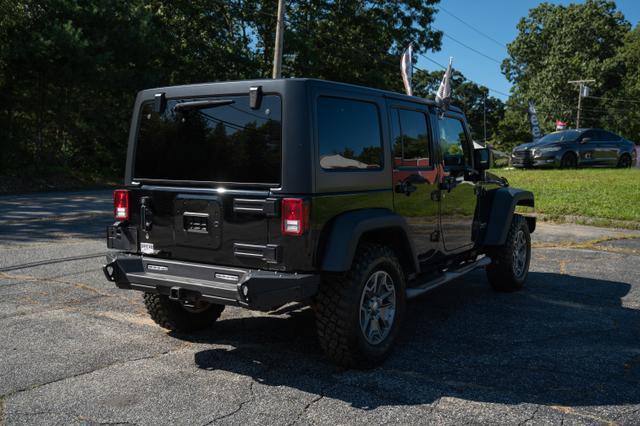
[(410, 139), (599, 135), (453, 142), (608, 136), (349, 134)]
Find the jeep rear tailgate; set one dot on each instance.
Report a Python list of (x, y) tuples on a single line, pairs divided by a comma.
[(203, 169)]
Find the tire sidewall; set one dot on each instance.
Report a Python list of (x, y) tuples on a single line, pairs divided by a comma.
[(370, 352), (171, 315), (568, 161), (624, 162), (522, 226)]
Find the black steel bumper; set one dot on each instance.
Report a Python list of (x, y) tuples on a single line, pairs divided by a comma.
[(183, 281)]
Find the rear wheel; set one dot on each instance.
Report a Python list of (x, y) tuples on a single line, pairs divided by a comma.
[(569, 161), (510, 262), (175, 316), (359, 315), (624, 161)]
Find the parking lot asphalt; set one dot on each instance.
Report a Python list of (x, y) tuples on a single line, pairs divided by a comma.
[(75, 350)]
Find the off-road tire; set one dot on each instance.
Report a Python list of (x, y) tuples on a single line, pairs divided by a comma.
[(569, 161), (625, 161), (500, 272), (337, 309), (174, 317)]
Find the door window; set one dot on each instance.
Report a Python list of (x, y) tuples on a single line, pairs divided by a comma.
[(599, 136), (349, 134), (453, 143), (609, 137), (410, 139)]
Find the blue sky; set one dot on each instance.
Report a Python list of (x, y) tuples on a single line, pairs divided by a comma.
[(497, 19)]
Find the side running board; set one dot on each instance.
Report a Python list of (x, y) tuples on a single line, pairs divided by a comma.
[(446, 277)]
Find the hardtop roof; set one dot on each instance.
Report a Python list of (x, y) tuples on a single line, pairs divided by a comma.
[(268, 82)]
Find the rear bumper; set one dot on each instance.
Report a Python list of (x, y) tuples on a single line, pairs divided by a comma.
[(253, 289)]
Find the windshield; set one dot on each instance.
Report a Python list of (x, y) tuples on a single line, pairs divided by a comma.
[(565, 136), (212, 139)]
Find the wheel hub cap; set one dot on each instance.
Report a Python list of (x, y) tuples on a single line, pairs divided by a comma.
[(377, 307)]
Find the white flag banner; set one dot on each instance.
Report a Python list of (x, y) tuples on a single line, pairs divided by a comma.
[(406, 68), (443, 97)]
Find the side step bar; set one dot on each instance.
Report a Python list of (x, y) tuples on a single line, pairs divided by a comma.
[(446, 277)]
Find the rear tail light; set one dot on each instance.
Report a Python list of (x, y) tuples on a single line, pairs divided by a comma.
[(295, 216), (121, 204)]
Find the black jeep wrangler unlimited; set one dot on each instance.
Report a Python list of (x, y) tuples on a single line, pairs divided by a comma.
[(263, 193)]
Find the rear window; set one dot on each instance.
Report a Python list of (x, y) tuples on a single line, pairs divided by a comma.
[(410, 139), (227, 142), (349, 134)]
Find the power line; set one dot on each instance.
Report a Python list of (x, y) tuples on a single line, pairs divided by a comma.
[(273, 15), (612, 99), (432, 61), (606, 110), (472, 27), (469, 47), (475, 82)]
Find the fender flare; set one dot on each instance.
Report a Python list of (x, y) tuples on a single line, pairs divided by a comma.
[(503, 205), (344, 233)]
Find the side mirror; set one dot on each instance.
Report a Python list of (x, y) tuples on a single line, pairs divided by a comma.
[(482, 159), (585, 140)]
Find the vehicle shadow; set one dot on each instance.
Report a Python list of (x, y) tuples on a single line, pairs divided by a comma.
[(564, 340)]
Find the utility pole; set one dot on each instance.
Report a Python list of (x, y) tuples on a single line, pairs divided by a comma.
[(277, 52), (484, 114), (581, 90)]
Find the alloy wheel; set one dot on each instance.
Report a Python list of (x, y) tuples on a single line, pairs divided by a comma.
[(377, 307), (519, 255)]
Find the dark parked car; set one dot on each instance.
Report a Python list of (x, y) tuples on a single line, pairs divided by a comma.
[(261, 193), (576, 148)]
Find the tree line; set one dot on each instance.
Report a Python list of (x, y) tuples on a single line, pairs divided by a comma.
[(70, 69)]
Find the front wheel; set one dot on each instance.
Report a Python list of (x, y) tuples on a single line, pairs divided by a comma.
[(569, 161), (359, 314), (624, 162), (510, 262)]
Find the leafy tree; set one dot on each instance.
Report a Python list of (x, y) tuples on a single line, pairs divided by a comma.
[(69, 69), (349, 41), (623, 116), (557, 43)]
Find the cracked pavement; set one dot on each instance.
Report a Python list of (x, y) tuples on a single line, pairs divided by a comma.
[(75, 350)]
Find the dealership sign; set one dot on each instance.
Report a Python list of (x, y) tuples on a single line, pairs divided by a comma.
[(535, 124)]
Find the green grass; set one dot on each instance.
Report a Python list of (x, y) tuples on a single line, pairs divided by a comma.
[(607, 197)]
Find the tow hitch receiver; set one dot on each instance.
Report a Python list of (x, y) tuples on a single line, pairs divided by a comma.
[(176, 293)]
